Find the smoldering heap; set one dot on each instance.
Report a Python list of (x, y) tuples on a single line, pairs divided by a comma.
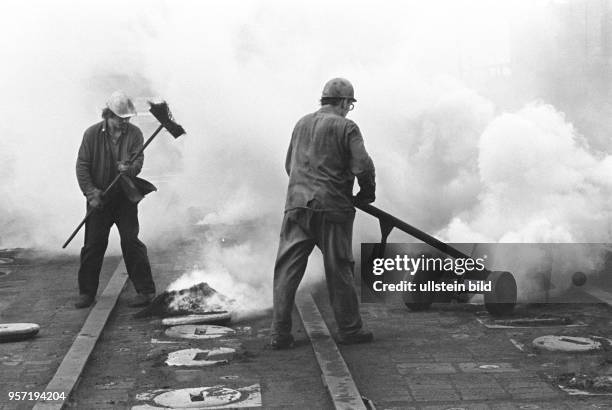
[(198, 299)]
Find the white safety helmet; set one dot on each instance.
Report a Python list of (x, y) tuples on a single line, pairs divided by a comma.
[(121, 105)]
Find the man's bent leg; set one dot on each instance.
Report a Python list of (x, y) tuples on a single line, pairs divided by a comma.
[(335, 234), (293, 250), (97, 229), (134, 251)]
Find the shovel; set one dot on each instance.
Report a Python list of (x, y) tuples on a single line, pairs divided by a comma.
[(162, 113)]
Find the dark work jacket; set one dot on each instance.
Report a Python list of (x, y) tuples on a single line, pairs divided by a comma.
[(96, 166), (325, 155)]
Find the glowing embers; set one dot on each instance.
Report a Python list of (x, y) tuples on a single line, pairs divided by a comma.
[(200, 357), (198, 299), (571, 344), (209, 318), (199, 331), (214, 397)]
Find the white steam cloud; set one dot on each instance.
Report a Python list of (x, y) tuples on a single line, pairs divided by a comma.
[(237, 76)]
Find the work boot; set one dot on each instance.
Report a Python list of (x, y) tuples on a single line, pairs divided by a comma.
[(84, 301), (141, 300), (281, 342), (362, 336)]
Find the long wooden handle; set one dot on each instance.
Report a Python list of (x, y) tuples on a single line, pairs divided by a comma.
[(392, 221)]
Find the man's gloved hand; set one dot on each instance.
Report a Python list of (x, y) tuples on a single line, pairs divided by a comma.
[(363, 198), (122, 166), (367, 188), (94, 198)]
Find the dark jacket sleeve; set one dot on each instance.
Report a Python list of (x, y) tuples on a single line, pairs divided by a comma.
[(83, 164), (289, 154), (361, 164), (136, 144)]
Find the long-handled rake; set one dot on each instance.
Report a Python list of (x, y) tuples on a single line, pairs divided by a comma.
[(162, 113)]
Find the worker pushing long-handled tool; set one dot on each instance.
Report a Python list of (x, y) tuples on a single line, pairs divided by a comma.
[(162, 113)]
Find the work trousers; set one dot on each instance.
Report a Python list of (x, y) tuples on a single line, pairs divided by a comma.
[(332, 232), (124, 213)]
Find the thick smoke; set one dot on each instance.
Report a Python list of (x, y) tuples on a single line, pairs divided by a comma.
[(238, 75)]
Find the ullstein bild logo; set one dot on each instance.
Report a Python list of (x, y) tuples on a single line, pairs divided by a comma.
[(405, 263)]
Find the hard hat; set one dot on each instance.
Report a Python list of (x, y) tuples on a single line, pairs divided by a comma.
[(339, 88), (121, 105)]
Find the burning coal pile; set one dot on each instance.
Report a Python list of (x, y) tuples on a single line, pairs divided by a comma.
[(199, 299)]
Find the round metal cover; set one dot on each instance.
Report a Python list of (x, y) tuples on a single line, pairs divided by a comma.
[(17, 331), (189, 357), (199, 331), (566, 343), (198, 397), (215, 317)]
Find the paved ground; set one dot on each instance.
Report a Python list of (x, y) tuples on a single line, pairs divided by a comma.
[(129, 358), (38, 288), (440, 359), (446, 358)]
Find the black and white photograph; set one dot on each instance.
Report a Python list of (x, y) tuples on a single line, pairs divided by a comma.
[(306, 204)]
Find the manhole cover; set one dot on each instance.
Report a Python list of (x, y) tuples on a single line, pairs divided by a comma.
[(198, 397), (488, 366), (10, 332), (566, 343), (200, 357), (199, 331), (218, 397), (4, 261), (213, 317)]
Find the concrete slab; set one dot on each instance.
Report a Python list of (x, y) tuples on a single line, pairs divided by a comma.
[(69, 371), (335, 374)]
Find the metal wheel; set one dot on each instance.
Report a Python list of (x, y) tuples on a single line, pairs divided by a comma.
[(418, 300), (500, 301)]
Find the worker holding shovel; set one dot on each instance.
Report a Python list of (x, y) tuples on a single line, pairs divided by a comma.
[(325, 156), (106, 154)]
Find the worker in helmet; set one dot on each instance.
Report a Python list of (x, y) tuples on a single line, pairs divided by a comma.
[(103, 154), (325, 156)]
